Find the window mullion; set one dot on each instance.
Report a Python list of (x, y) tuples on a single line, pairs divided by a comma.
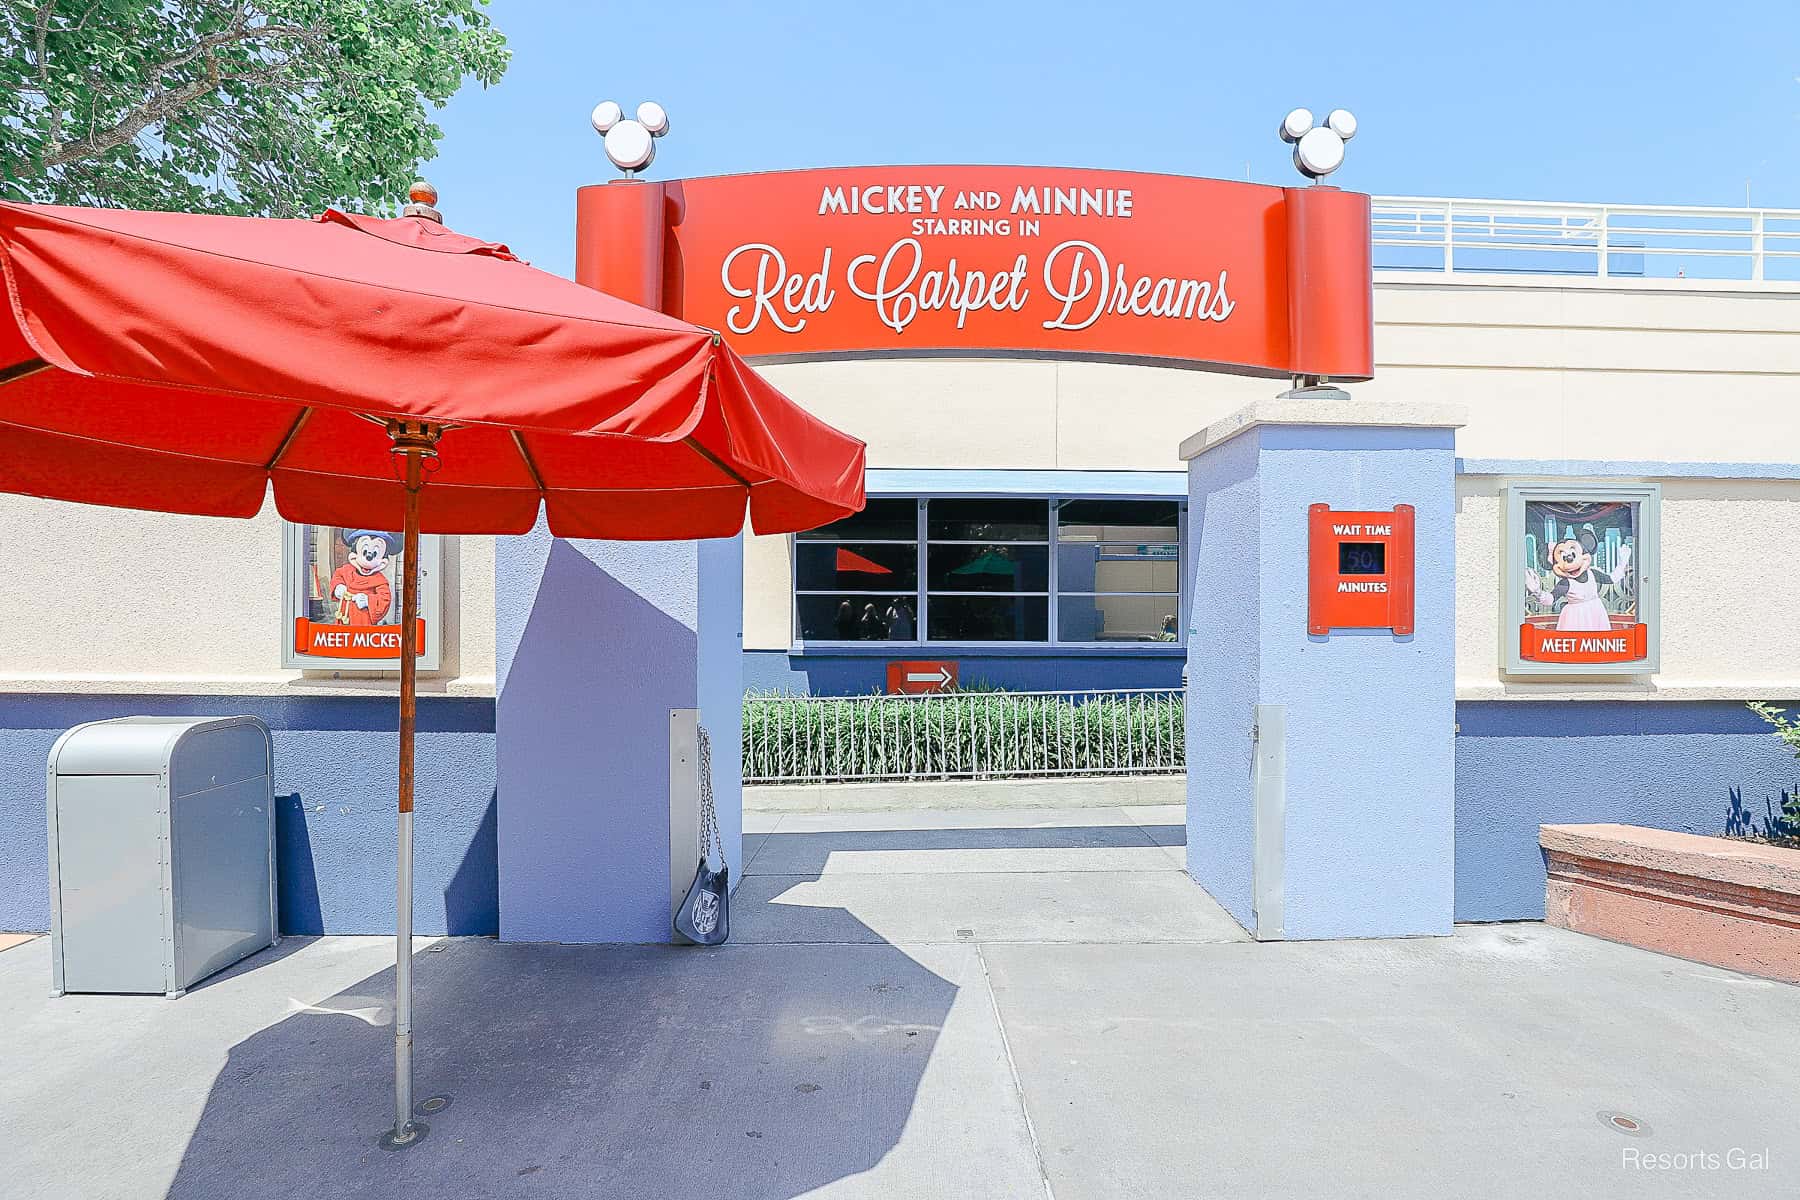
[(1053, 634), (923, 583)]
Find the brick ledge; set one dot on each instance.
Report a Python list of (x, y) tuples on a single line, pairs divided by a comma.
[(1729, 903)]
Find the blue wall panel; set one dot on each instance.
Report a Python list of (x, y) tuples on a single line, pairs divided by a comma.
[(1023, 671), (1369, 759), (1224, 536), (596, 641), (1685, 766), (335, 768), (1697, 767)]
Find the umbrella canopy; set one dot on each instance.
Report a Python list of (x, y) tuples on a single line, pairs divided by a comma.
[(990, 562), (182, 363), (188, 363)]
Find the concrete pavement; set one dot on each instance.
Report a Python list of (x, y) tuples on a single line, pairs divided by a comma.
[(944, 1004)]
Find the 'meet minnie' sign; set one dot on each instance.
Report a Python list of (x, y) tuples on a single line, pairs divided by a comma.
[(1235, 276)]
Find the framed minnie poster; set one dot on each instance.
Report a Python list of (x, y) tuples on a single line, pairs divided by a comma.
[(341, 608), (1579, 581)]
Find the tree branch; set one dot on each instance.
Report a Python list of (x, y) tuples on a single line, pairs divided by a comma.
[(166, 102), (42, 32)]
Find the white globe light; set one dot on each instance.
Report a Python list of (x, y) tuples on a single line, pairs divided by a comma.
[(606, 114), (1295, 124), (1342, 122), (654, 117), (630, 146), (1319, 153)]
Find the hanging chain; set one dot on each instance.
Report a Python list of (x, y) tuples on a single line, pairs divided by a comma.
[(709, 817)]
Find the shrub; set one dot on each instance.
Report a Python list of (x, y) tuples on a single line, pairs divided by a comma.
[(1781, 827), (964, 735)]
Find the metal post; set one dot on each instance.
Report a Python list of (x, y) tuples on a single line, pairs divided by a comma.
[(1268, 904), (1449, 238), (413, 441)]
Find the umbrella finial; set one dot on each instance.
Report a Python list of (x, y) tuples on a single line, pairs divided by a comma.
[(423, 199)]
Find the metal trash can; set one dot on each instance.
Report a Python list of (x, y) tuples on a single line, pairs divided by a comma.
[(162, 851)]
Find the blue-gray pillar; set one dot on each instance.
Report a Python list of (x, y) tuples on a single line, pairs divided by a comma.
[(595, 643), (1362, 835)]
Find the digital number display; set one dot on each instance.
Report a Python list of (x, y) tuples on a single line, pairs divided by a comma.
[(1362, 558)]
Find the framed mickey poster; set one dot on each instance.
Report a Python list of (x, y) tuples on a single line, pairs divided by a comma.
[(1579, 579), (341, 607)]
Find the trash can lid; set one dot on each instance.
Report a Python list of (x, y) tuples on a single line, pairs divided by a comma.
[(132, 745)]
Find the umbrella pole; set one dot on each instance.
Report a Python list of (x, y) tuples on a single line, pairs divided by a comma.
[(414, 442)]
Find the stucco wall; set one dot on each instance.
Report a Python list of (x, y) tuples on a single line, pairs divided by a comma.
[(1694, 767), (335, 768), (105, 600), (1548, 368), (1730, 615), (1224, 533), (598, 641), (1369, 769)]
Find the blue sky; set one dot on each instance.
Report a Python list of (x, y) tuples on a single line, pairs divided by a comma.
[(1654, 103)]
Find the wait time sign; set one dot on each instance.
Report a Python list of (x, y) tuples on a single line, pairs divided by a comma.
[(1359, 569)]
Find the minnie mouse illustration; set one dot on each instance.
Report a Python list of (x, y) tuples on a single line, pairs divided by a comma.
[(1578, 582), (362, 591)]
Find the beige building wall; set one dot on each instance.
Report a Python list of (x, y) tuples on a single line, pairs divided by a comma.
[(1652, 371), (1558, 370), (100, 600), (1730, 613)]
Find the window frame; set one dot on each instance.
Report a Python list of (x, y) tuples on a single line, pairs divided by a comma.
[(1646, 555), (922, 592)]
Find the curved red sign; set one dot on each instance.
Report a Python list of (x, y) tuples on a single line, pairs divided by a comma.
[(957, 260)]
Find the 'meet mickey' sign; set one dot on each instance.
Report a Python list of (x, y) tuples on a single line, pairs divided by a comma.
[(1359, 569)]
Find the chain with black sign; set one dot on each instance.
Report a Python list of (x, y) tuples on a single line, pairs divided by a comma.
[(704, 916)]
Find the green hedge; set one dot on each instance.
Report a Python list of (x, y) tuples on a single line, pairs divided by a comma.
[(970, 734)]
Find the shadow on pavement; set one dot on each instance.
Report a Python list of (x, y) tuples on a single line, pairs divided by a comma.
[(755, 1072)]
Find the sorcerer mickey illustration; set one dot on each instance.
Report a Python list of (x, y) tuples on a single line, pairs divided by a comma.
[(362, 591)]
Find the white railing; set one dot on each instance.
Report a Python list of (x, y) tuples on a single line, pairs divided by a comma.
[(962, 735), (1608, 241)]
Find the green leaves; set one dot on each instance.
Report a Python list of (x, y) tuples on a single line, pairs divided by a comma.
[(964, 734), (250, 107)]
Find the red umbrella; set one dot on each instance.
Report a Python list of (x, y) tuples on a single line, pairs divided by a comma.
[(850, 560), (188, 363)]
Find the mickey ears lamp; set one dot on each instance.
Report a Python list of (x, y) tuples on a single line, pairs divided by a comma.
[(1318, 149), (630, 141)]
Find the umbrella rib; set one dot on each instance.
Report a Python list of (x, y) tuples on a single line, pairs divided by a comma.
[(292, 433), (30, 366), (716, 461), (531, 466)]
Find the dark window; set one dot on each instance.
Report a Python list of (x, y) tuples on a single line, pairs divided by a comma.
[(988, 521), (990, 618), (857, 617), (1118, 570), (880, 520), (856, 566), (987, 572), (988, 567)]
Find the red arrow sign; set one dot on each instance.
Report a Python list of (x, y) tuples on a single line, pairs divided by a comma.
[(916, 676)]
